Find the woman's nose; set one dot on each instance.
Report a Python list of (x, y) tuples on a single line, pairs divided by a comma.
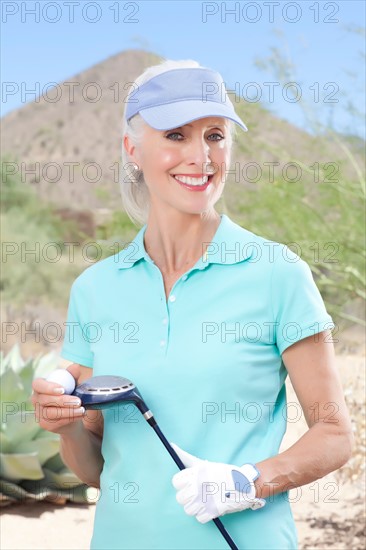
[(198, 152)]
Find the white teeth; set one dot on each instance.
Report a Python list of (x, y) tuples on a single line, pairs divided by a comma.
[(192, 181)]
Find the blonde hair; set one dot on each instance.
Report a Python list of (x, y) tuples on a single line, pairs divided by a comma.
[(134, 191)]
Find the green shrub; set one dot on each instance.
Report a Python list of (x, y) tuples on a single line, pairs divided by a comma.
[(32, 242), (30, 464)]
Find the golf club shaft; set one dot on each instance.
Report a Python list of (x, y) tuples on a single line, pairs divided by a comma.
[(181, 466)]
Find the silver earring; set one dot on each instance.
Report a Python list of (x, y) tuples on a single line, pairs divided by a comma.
[(136, 173)]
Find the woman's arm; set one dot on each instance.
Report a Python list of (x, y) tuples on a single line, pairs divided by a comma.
[(80, 450), (80, 444), (327, 445), (80, 432)]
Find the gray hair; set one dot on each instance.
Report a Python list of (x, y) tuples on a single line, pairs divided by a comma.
[(134, 191)]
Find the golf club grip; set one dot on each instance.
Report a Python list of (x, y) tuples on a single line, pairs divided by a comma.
[(181, 466)]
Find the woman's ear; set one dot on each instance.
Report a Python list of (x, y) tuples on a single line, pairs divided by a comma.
[(130, 148)]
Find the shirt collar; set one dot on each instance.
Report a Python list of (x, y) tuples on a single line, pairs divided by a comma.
[(231, 244)]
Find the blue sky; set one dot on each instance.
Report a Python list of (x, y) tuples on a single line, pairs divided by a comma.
[(314, 37)]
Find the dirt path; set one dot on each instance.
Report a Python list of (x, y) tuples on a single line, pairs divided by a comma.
[(44, 526)]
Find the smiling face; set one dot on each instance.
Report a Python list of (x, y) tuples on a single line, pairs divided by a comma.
[(185, 167)]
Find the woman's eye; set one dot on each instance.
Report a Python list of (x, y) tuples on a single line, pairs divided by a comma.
[(178, 136), (216, 137), (175, 136)]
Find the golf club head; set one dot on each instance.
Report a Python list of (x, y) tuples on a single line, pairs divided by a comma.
[(101, 392)]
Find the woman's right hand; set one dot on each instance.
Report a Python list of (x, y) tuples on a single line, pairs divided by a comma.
[(61, 413), (81, 433)]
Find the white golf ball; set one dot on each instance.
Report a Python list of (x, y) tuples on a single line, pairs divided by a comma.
[(64, 378)]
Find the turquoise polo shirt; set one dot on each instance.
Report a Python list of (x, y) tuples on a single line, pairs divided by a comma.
[(207, 361)]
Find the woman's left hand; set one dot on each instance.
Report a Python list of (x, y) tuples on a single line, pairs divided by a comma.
[(208, 490)]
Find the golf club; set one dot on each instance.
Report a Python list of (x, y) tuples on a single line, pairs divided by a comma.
[(100, 392)]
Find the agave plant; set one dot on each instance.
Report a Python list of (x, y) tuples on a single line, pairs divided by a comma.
[(31, 467)]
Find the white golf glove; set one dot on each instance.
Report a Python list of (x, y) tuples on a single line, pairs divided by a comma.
[(208, 490)]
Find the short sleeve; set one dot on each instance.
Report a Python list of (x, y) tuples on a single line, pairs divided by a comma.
[(297, 305), (76, 346)]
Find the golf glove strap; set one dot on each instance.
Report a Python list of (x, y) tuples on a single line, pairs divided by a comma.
[(208, 490)]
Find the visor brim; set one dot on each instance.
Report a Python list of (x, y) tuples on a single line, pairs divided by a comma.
[(176, 114)]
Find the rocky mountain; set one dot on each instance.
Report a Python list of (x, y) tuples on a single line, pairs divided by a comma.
[(67, 143)]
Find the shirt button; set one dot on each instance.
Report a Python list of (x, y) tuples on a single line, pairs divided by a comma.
[(165, 320), (162, 343), (185, 277), (172, 298)]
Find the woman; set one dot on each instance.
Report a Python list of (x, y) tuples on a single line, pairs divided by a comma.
[(207, 319)]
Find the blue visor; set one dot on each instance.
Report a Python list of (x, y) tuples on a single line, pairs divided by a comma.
[(176, 97)]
